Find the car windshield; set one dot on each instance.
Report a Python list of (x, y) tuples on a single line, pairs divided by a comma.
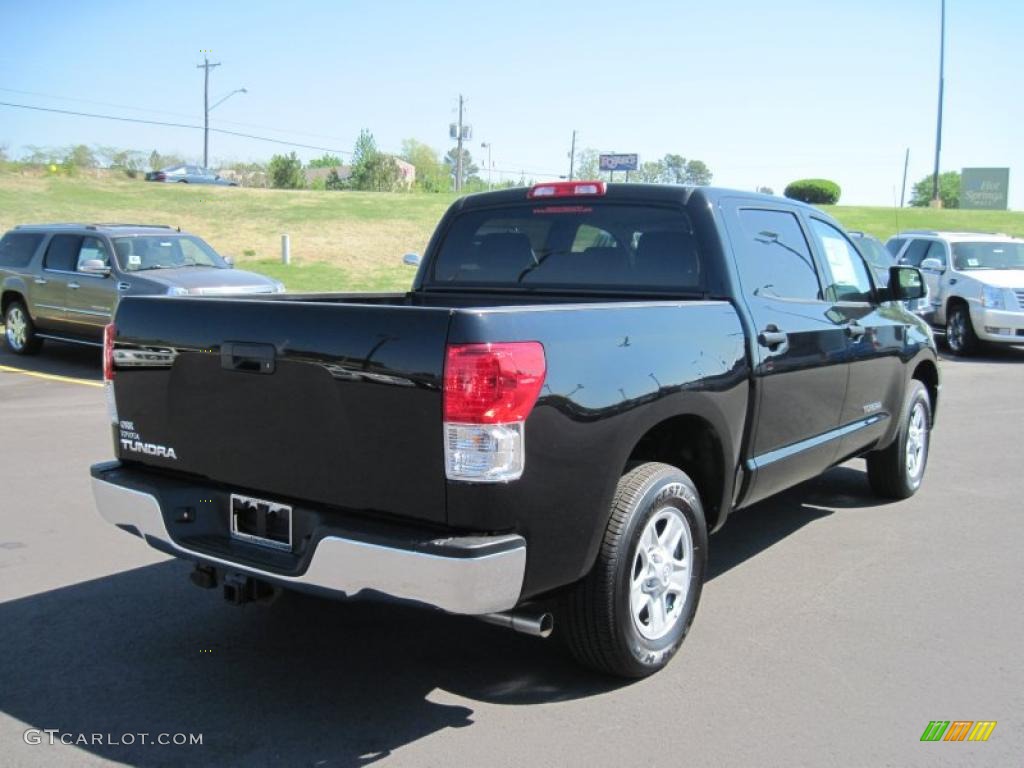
[(171, 251), (874, 252), (578, 245), (990, 255)]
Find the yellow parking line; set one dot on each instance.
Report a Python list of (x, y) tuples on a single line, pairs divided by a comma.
[(52, 377)]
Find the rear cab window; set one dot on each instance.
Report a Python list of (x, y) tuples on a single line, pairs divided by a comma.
[(18, 248), (596, 244)]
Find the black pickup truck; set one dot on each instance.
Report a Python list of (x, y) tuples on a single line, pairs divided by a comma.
[(583, 382)]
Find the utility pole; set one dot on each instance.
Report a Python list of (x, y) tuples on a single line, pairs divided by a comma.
[(207, 66), (903, 188), (936, 200), (572, 155), (458, 157)]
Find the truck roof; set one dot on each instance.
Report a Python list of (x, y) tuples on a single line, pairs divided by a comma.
[(676, 193)]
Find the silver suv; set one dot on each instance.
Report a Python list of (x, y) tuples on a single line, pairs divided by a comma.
[(975, 281), (63, 281)]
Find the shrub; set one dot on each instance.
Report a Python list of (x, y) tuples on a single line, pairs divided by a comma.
[(285, 172), (814, 191)]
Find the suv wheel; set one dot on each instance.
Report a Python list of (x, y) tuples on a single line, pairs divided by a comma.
[(20, 331), (960, 334), (630, 614), (896, 472)]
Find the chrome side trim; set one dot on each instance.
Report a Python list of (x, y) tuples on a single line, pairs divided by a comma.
[(66, 340), (467, 585), (787, 451), (90, 312)]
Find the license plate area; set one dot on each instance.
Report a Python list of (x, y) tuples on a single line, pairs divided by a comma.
[(261, 522)]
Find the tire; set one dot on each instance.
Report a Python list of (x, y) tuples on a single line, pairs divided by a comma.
[(960, 336), (20, 331), (654, 555), (896, 472)]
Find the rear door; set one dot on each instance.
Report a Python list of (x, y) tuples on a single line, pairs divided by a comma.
[(90, 297), (800, 353), (49, 295)]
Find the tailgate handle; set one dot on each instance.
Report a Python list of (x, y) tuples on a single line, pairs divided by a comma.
[(248, 358)]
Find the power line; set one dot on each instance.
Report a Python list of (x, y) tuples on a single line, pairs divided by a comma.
[(173, 125)]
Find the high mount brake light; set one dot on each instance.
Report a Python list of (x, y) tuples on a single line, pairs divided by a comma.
[(489, 390), (567, 189)]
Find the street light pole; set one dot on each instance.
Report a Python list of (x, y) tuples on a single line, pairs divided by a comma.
[(936, 200), (487, 145), (206, 66)]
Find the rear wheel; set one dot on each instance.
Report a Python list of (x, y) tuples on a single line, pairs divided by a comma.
[(896, 472), (960, 334), (20, 331), (630, 614)]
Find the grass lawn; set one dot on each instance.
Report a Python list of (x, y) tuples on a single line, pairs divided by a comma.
[(341, 241)]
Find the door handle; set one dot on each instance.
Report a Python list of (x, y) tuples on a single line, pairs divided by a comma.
[(248, 358), (772, 337), (855, 330), (40, 281), (74, 286)]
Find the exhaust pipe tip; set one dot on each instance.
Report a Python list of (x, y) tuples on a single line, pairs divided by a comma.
[(533, 624)]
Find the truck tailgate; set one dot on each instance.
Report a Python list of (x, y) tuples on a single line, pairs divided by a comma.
[(336, 403)]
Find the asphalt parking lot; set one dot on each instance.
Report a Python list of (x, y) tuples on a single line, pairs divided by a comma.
[(832, 630)]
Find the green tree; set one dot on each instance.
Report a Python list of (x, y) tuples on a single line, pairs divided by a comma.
[(326, 160), (80, 156), (371, 168), (158, 161), (334, 182), (949, 190), (766, 190), (675, 169), (469, 168), (285, 172), (587, 165), (697, 173), (650, 172), (431, 175)]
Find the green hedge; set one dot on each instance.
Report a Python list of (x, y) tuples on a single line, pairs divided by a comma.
[(814, 191)]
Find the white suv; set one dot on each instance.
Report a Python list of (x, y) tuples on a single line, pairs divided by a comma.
[(976, 284)]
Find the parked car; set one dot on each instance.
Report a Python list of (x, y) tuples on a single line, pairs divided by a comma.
[(189, 174), (584, 380), (64, 281), (975, 281), (880, 259)]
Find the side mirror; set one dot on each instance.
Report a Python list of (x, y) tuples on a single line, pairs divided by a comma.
[(932, 265), (94, 267), (411, 259), (229, 261), (906, 284)]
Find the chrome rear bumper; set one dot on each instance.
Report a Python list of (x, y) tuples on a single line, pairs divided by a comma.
[(467, 584)]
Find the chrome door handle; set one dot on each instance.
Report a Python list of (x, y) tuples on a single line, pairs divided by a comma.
[(40, 281), (771, 337), (855, 330), (73, 285)]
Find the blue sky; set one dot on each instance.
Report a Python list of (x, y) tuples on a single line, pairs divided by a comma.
[(763, 92)]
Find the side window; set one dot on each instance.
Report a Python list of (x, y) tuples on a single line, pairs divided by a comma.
[(589, 236), (849, 280), (774, 258), (937, 250), (62, 253), (894, 245), (93, 249), (18, 248), (915, 252)]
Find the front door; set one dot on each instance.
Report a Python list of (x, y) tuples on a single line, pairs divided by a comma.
[(875, 340), (90, 297), (800, 369)]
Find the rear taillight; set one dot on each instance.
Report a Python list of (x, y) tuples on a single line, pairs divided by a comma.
[(161, 177), (567, 189), (489, 390), (109, 332)]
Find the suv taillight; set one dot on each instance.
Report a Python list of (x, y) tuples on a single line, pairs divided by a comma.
[(489, 390)]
